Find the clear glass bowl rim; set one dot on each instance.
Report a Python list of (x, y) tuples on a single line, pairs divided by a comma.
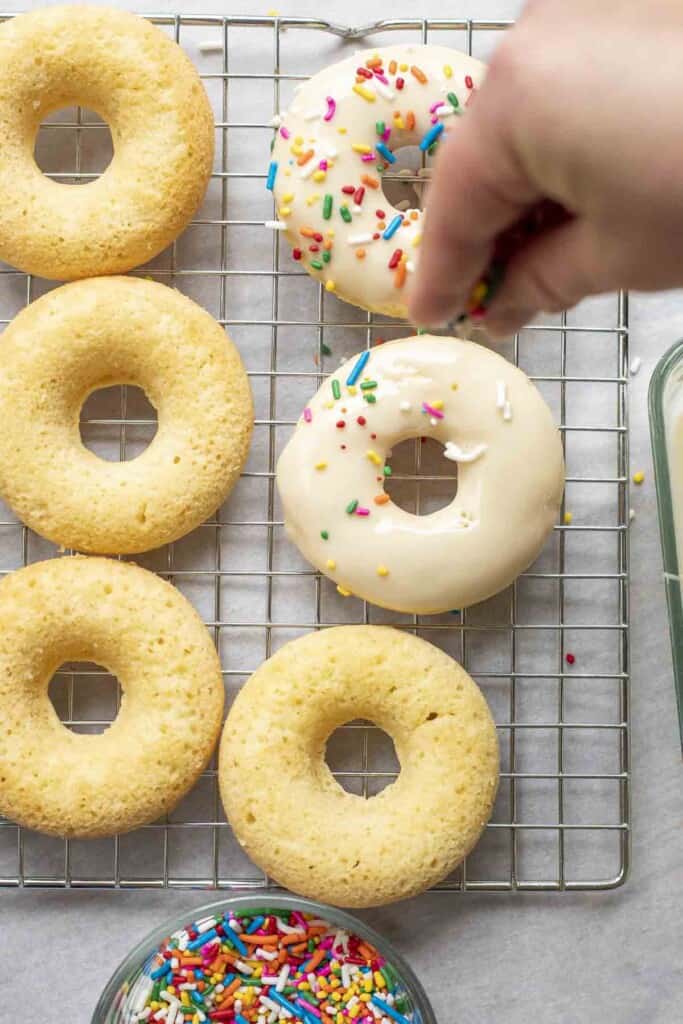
[(669, 362), (265, 898)]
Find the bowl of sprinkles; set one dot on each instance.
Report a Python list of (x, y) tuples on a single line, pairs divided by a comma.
[(262, 959)]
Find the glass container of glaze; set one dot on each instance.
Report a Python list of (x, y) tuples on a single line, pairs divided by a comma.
[(666, 428), (121, 995)]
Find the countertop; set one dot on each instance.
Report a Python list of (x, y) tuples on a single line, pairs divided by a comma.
[(557, 958)]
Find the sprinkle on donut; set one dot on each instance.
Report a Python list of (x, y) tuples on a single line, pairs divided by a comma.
[(331, 150)]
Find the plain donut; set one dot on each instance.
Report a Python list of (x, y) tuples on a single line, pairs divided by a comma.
[(291, 815), (119, 330), (491, 421), (148, 92), (147, 634)]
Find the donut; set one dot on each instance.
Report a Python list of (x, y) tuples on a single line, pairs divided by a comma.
[(290, 814), (332, 147), (492, 423), (143, 631), (116, 330), (145, 88)]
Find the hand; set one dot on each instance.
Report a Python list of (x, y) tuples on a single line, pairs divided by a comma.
[(582, 105)]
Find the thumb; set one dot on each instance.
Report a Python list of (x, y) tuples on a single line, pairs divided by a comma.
[(553, 273)]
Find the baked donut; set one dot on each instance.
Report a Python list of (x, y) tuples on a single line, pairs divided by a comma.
[(148, 92), (492, 423), (147, 634), (291, 815), (119, 330), (331, 148)]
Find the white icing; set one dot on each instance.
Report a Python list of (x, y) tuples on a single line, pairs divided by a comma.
[(398, 370), (506, 502), (366, 281), (455, 453)]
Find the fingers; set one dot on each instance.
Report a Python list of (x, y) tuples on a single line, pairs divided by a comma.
[(551, 274), (477, 191)]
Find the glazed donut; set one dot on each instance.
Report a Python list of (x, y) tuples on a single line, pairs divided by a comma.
[(294, 819), (143, 631), (148, 92), (492, 423), (119, 330), (331, 148)]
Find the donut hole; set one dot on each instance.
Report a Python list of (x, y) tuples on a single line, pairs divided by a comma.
[(404, 183), (362, 758), (118, 423), (73, 146), (86, 697), (422, 481)]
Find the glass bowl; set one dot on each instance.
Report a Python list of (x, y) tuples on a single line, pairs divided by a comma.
[(666, 429), (111, 1007)]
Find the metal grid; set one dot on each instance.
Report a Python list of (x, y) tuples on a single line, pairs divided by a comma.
[(562, 816)]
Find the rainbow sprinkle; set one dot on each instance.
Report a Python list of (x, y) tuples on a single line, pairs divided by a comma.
[(431, 136), (431, 411), (363, 91), (385, 152), (272, 172), (358, 368), (393, 226), (267, 965)]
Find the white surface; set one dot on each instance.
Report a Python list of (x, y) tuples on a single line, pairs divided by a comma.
[(559, 958)]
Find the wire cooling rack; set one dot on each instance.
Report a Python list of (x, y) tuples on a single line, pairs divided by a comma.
[(550, 653)]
